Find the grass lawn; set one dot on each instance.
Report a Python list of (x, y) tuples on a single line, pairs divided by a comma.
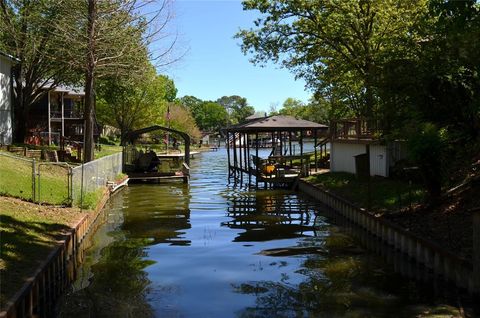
[(16, 181), (28, 233), (386, 194), (107, 150)]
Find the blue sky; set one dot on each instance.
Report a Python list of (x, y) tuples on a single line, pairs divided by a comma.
[(214, 65)]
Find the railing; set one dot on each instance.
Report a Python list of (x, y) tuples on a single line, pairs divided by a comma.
[(68, 114), (354, 129)]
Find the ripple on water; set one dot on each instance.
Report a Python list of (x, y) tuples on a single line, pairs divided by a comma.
[(209, 249)]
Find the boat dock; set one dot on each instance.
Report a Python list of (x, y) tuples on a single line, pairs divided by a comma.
[(284, 165)]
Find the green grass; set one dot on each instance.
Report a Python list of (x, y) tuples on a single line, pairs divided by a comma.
[(107, 150), (16, 181), (15, 178), (90, 200), (386, 194), (28, 234)]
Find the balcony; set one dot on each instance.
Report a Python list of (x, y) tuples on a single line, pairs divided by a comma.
[(359, 130)]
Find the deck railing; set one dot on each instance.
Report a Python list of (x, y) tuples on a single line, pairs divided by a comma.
[(354, 129)]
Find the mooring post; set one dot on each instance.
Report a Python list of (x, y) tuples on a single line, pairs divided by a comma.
[(476, 250)]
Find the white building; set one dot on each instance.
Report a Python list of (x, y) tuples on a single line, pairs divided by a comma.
[(6, 98), (349, 138)]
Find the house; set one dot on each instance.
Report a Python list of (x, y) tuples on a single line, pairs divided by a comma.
[(59, 113), (352, 138), (6, 98)]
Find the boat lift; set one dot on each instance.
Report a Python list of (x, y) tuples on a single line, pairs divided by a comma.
[(149, 166)]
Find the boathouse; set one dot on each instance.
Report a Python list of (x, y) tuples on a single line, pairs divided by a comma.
[(287, 161), (356, 147), (146, 165)]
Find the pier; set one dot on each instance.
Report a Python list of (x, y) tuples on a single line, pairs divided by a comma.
[(284, 164)]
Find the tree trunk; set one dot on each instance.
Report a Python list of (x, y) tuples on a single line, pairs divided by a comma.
[(89, 84), (20, 120)]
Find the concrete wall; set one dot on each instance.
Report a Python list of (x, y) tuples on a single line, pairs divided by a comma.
[(342, 158), (437, 260), (5, 101)]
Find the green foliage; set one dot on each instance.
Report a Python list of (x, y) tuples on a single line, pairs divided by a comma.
[(133, 103), (26, 34), (426, 148), (106, 141), (208, 115), (237, 108), (181, 119), (336, 46)]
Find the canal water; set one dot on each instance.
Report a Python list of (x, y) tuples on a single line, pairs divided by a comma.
[(210, 249)]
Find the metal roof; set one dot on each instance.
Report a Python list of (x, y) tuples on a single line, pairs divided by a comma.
[(276, 123), (257, 115)]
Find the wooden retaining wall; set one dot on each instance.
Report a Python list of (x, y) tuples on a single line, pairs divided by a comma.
[(442, 263), (39, 294)]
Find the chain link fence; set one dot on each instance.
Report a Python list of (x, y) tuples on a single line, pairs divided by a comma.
[(17, 176), (57, 183), (91, 178)]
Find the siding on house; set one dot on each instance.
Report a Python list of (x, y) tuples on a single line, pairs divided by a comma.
[(342, 158), (5, 101)]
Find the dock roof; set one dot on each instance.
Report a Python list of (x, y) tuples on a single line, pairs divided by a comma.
[(276, 123)]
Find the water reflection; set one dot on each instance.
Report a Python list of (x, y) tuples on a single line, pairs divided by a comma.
[(211, 251), (160, 220), (112, 281), (269, 215)]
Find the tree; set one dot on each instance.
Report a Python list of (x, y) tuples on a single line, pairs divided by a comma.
[(130, 104), (208, 115), (181, 119), (112, 36), (433, 96), (333, 45), (237, 108), (211, 116), (192, 103), (25, 34), (293, 107)]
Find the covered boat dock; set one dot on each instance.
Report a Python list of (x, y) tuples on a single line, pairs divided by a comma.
[(149, 166), (286, 163)]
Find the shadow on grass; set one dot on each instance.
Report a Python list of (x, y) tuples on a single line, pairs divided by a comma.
[(24, 245)]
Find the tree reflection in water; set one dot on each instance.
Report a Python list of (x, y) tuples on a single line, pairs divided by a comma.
[(340, 278), (113, 282)]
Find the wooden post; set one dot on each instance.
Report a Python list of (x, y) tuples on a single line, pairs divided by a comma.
[(49, 120), (234, 146), (247, 156), (290, 142), (228, 155), (257, 174), (240, 164), (63, 115), (476, 251), (315, 148)]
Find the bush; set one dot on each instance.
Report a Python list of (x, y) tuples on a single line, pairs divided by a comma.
[(106, 141), (426, 148)]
